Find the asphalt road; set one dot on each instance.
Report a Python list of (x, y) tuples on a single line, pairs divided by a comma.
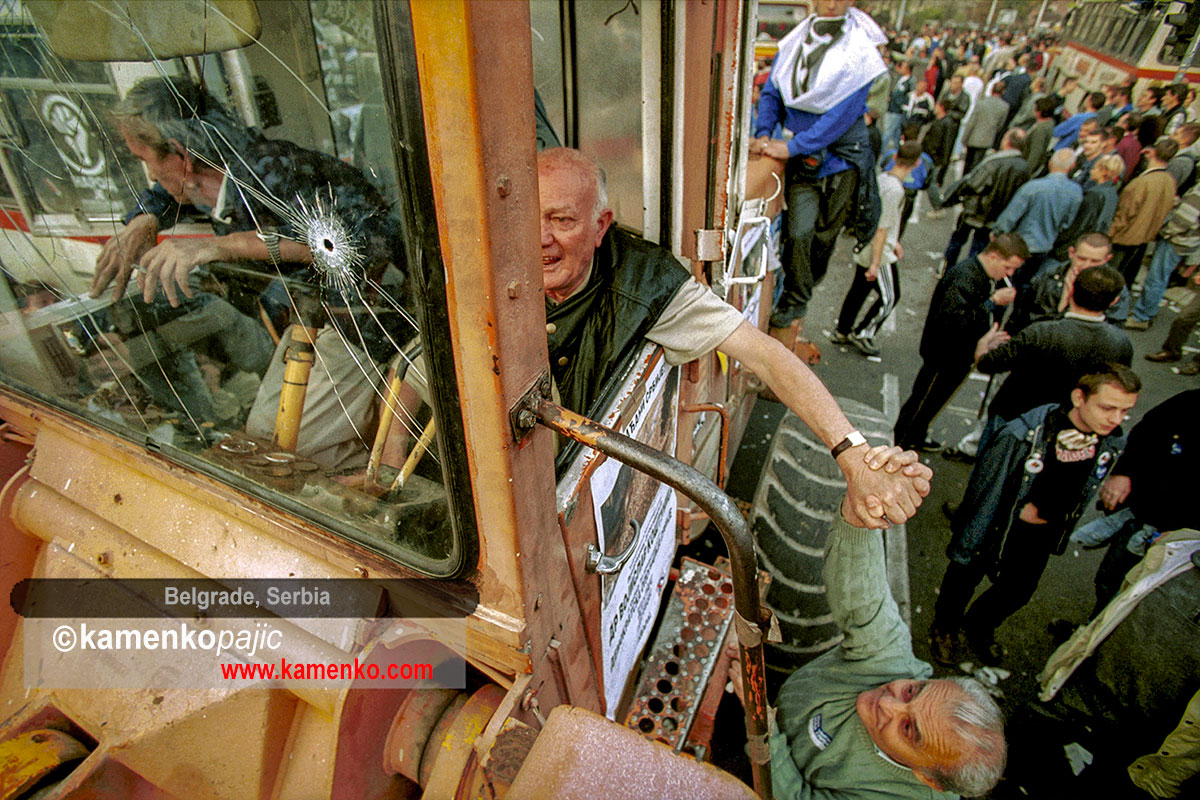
[(1038, 766)]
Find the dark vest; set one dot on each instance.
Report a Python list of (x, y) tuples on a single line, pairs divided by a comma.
[(598, 330)]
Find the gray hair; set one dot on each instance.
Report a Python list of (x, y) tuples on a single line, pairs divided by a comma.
[(560, 157), (158, 110), (1062, 160), (979, 724)]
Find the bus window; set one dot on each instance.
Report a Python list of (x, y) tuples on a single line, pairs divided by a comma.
[(215, 265), (54, 118), (588, 72)]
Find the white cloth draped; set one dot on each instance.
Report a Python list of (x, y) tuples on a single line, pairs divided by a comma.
[(851, 63)]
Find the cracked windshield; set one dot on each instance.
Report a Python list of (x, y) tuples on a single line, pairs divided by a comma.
[(202, 251)]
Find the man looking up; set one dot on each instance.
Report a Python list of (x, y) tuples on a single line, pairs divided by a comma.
[(818, 89), (864, 720), (608, 290)]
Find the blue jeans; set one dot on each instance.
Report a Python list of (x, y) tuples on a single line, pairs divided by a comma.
[(1164, 262), (892, 122)]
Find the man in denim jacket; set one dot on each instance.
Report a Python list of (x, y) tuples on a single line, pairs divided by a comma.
[(1031, 484)]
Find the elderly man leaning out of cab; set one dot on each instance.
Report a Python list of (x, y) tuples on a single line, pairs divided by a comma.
[(607, 291)]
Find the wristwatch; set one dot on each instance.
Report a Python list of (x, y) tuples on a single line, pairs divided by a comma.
[(271, 240), (853, 439)]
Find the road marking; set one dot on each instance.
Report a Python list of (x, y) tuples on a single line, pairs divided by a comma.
[(891, 397)]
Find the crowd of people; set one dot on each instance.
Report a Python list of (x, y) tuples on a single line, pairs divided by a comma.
[(1063, 193)]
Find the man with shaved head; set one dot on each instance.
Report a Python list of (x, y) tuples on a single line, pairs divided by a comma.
[(607, 291), (865, 720), (1041, 210)]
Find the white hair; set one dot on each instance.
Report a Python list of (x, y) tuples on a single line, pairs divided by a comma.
[(559, 157), (1062, 160), (979, 724)]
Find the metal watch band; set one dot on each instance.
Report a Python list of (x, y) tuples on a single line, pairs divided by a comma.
[(271, 240), (853, 439)]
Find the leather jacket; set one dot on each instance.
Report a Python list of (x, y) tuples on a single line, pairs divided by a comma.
[(1001, 481), (986, 190)]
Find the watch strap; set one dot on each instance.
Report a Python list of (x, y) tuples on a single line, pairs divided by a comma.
[(271, 240), (853, 439)]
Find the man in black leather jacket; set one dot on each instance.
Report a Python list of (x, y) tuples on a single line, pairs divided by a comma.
[(984, 193)]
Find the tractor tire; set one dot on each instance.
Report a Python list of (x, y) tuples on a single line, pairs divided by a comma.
[(798, 493)]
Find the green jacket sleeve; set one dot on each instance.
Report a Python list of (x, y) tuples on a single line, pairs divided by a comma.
[(857, 590)]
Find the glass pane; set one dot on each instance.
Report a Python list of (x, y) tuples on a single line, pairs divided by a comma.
[(268, 332), (608, 51), (546, 22), (56, 126)]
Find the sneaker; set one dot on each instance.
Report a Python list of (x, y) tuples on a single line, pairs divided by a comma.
[(865, 344), (1135, 324), (954, 454), (1164, 357), (837, 337)]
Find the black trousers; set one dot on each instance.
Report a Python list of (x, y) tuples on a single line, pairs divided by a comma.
[(974, 156), (935, 384), (1116, 562), (1127, 258), (817, 211), (1026, 553)]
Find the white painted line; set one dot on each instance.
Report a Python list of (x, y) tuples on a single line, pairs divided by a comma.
[(891, 396)]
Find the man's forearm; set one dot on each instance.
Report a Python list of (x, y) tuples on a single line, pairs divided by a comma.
[(877, 247), (793, 382)]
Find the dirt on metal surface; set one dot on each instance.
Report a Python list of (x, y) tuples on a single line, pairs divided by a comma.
[(681, 660)]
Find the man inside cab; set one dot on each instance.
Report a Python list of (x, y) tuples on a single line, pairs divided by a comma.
[(608, 290)]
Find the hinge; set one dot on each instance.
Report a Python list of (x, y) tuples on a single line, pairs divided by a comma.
[(710, 245)]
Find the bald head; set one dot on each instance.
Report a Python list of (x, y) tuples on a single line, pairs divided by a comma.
[(1062, 161), (575, 216)]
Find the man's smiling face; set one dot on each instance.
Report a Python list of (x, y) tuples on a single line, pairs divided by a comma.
[(571, 227)]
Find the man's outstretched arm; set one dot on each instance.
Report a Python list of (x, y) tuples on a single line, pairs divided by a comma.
[(877, 497), (855, 575)]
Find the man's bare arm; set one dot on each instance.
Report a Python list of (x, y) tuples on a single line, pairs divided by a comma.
[(877, 497)]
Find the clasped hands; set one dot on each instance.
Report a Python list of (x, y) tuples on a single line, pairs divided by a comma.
[(884, 486)]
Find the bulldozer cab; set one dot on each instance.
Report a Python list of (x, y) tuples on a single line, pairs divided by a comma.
[(271, 311)]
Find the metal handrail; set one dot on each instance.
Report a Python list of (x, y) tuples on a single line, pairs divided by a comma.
[(752, 627)]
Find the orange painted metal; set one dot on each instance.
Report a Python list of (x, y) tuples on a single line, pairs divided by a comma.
[(483, 161)]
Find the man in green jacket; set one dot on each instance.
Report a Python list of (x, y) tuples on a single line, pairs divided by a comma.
[(864, 720)]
